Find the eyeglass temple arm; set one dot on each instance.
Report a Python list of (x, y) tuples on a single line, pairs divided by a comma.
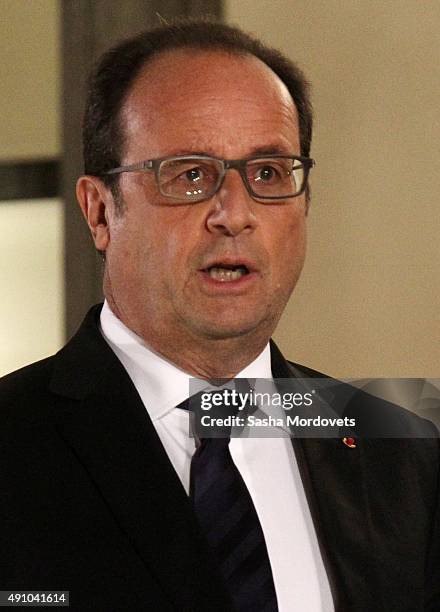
[(144, 165)]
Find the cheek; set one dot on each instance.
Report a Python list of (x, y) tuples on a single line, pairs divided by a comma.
[(291, 238), (161, 258), (151, 246), (297, 240), (129, 251), (289, 252)]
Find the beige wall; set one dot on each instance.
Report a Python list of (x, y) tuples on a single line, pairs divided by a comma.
[(31, 245), (369, 300), (31, 281), (30, 81)]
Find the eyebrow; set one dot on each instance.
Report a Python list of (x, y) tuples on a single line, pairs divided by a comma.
[(271, 149)]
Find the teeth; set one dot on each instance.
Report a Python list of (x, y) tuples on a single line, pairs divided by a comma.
[(226, 275)]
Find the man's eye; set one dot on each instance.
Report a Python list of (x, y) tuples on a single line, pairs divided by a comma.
[(267, 174), (193, 175)]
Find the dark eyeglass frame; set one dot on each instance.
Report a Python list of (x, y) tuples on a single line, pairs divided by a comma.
[(237, 164)]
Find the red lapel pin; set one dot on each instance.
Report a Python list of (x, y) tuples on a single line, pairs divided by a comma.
[(350, 442)]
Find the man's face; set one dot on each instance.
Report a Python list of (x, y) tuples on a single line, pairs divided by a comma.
[(160, 257)]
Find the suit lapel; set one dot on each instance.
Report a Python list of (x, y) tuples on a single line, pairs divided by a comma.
[(111, 433), (333, 476)]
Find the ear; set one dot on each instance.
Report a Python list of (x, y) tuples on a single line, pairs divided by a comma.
[(95, 200)]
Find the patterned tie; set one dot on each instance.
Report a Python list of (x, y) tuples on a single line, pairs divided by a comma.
[(228, 518)]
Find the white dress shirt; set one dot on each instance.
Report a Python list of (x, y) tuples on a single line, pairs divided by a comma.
[(267, 465)]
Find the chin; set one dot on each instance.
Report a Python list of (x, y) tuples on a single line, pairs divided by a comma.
[(222, 329)]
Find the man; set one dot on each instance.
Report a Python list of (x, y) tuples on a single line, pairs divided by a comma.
[(201, 256)]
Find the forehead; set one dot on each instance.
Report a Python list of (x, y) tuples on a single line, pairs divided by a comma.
[(220, 98)]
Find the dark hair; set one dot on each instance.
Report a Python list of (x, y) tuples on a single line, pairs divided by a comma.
[(110, 83)]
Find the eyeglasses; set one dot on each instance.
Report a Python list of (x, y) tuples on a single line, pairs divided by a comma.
[(194, 178)]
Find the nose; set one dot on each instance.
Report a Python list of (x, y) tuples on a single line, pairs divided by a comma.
[(234, 210)]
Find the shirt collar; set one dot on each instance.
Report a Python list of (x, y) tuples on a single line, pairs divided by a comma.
[(159, 382)]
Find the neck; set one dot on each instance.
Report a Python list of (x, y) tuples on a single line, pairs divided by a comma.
[(213, 359), (200, 356)]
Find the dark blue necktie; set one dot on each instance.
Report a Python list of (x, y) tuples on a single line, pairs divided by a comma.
[(228, 518)]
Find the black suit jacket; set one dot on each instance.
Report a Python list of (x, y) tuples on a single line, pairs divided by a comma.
[(91, 503)]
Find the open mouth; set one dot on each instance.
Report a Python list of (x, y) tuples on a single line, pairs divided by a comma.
[(226, 273)]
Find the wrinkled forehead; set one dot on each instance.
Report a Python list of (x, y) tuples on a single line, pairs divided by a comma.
[(202, 87)]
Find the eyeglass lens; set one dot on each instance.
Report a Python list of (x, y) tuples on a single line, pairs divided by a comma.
[(194, 179)]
